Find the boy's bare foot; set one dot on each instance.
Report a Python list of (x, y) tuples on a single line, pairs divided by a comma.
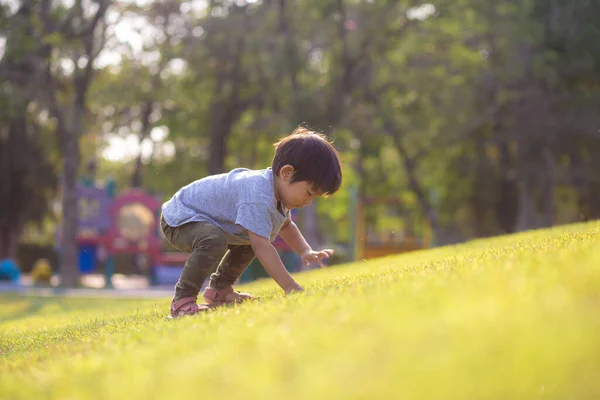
[(186, 306), (216, 297)]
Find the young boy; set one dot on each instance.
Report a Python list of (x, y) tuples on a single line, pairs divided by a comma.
[(226, 220)]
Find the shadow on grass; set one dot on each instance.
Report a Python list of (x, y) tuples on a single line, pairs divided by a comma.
[(34, 305), (15, 307)]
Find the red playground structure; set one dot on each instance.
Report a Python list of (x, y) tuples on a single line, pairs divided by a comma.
[(125, 224)]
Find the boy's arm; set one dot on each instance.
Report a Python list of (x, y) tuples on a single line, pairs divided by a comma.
[(269, 258), (293, 237)]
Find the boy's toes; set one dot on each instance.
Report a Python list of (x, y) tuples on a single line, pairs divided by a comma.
[(238, 297), (225, 296)]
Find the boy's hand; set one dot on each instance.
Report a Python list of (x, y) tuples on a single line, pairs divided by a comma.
[(311, 256), (294, 288)]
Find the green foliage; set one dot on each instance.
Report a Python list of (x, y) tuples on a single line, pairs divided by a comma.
[(470, 102), (29, 178)]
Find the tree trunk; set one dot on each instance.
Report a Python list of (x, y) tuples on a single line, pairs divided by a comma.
[(253, 156), (507, 202), (594, 204), (547, 182), (526, 178), (478, 197), (9, 241), (219, 131), (13, 177), (69, 266), (526, 213), (309, 219), (216, 163), (427, 209), (147, 108), (70, 117), (291, 57), (21, 179), (136, 179), (359, 167), (310, 226)]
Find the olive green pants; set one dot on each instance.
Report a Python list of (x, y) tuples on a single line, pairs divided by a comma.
[(210, 254)]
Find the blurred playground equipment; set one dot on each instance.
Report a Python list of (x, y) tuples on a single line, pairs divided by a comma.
[(10, 271), (111, 224), (41, 272), (400, 231)]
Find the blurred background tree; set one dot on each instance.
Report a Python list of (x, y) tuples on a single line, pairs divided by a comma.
[(481, 117)]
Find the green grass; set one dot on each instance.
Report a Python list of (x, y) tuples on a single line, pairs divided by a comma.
[(515, 317)]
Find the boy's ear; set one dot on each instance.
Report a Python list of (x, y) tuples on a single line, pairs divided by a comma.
[(286, 172)]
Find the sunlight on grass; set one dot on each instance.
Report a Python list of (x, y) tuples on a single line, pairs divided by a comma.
[(510, 317)]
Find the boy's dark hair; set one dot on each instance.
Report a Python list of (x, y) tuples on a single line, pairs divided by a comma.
[(313, 157)]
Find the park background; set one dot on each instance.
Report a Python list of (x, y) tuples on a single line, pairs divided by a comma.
[(455, 119)]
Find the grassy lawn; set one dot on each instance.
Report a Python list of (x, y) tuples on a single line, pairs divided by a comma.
[(515, 317)]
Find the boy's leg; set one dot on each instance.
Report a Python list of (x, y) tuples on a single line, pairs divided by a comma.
[(232, 266), (220, 288), (207, 245)]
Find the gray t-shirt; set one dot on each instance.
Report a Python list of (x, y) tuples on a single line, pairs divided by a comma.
[(239, 201)]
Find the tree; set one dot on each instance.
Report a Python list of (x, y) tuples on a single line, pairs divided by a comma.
[(74, 37), (489, 106), (28, 177)]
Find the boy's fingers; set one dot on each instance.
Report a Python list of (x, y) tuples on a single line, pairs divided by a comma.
[(317, 256)]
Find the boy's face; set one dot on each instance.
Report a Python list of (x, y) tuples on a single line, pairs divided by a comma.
[(295, 195)]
